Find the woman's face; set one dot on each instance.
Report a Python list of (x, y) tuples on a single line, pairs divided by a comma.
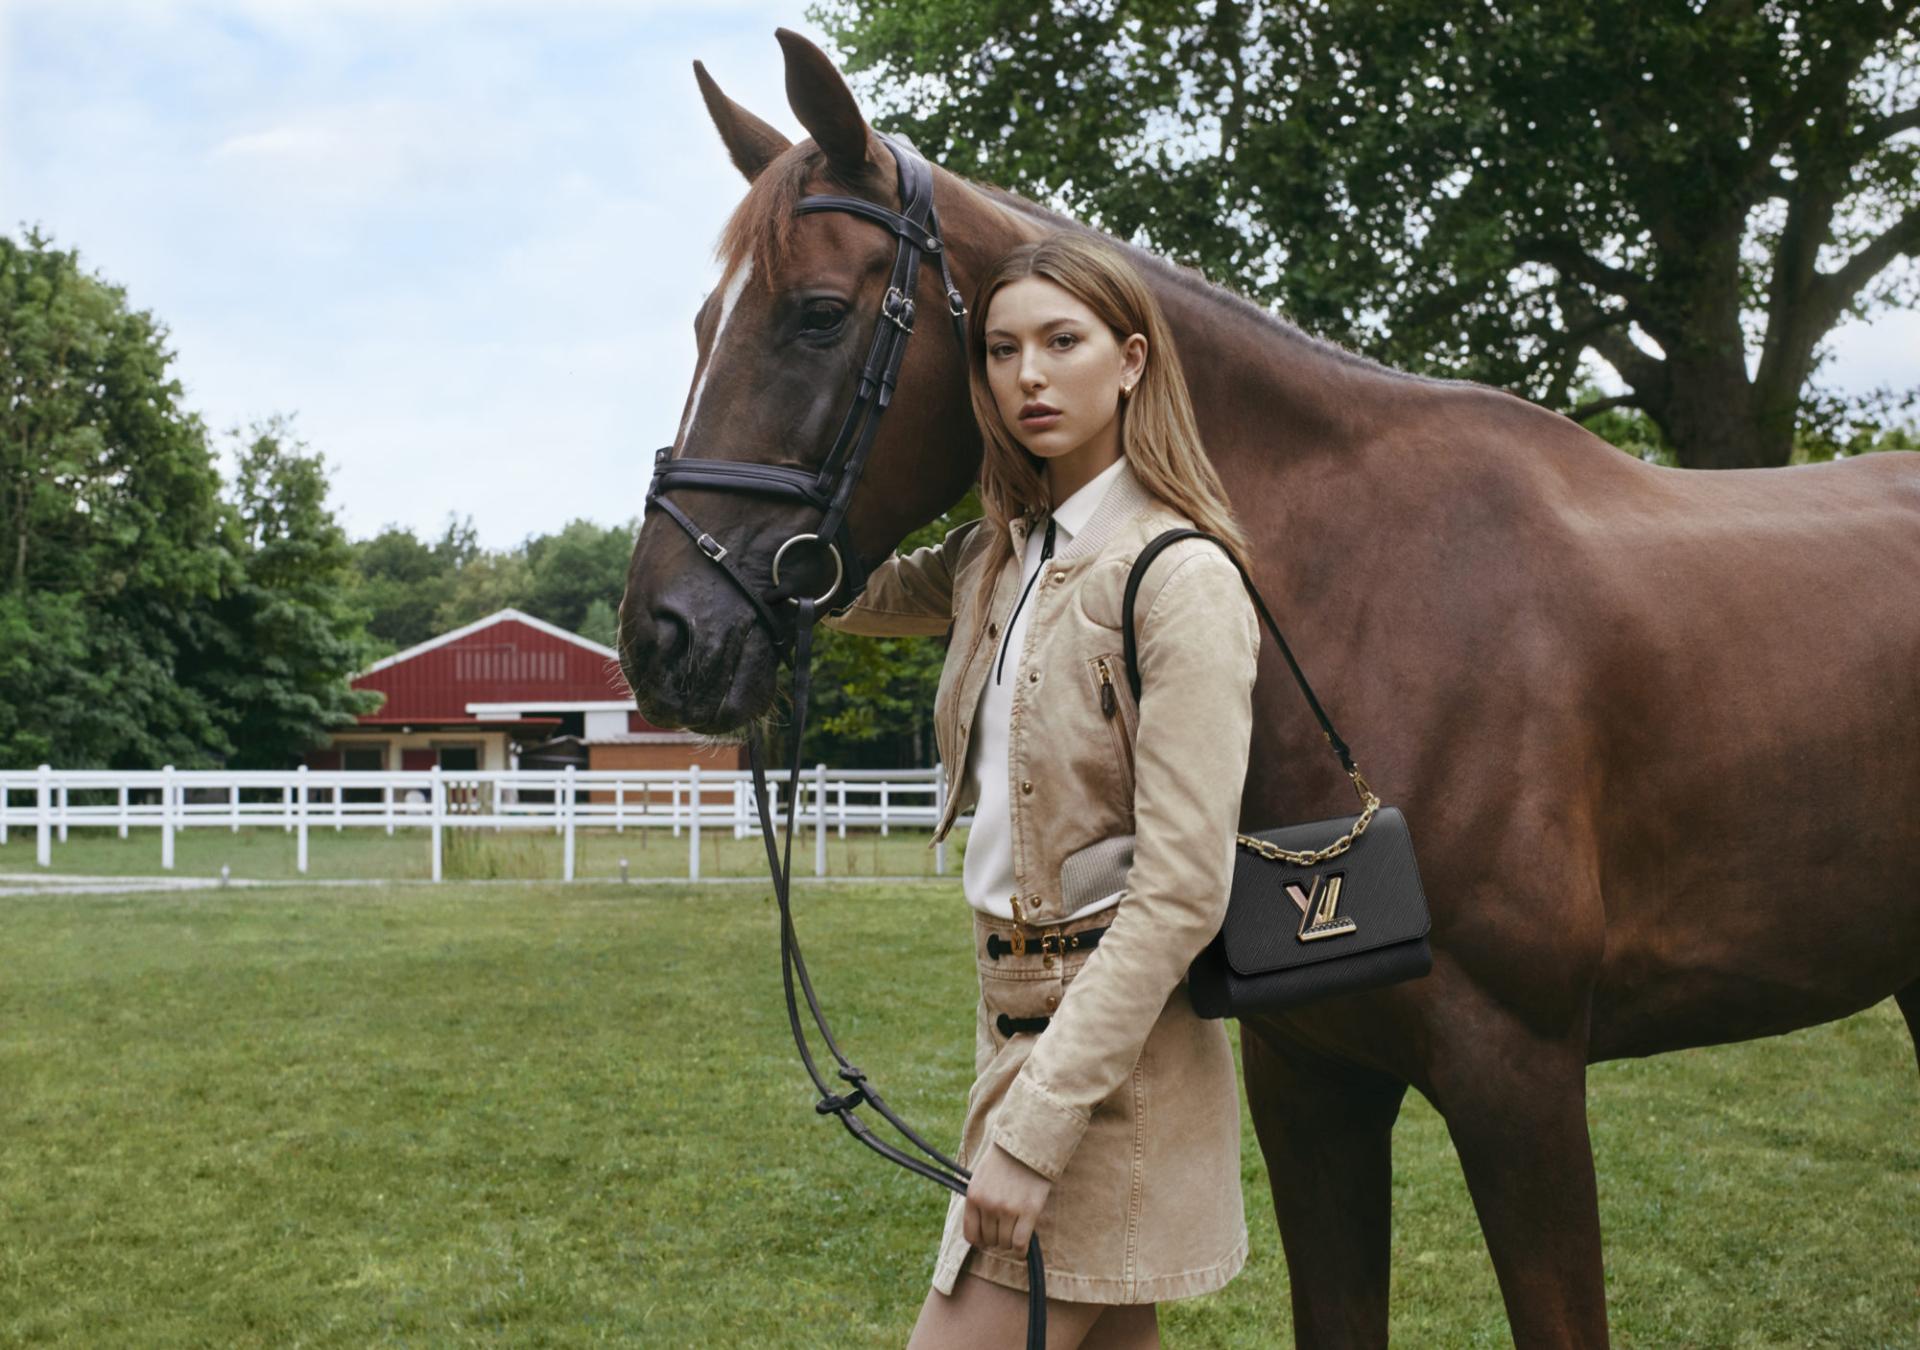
[(1056, 370)]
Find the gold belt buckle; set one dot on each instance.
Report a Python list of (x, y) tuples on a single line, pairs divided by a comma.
[(1019, 932)]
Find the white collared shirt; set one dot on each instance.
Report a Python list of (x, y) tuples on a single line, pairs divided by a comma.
[(987, 874)]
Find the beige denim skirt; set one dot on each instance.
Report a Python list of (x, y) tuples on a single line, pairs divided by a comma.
[(1148, 1207)]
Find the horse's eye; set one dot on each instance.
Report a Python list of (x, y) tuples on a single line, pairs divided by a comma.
[(820, 316)]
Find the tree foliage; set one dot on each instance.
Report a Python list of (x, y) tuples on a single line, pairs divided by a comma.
[(283, 641), (414, 589), (1683, 189), (144, 620), (108, 501)]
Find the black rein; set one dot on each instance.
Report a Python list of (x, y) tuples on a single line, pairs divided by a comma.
[(830, 491)]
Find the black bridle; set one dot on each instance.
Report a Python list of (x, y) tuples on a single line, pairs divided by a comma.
[(829, 490)]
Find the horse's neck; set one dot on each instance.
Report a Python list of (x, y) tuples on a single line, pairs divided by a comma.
[(1267, 397), (1280, 413)]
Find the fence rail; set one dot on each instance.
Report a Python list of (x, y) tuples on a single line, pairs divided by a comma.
[(50, 801)]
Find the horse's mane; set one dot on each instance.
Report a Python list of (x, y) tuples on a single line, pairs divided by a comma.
[(1191, 281), (761, 229)]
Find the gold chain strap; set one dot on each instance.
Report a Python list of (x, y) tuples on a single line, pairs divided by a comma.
[(1274, 852)]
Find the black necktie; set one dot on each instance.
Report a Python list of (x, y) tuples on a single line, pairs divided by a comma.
[(1046, 552)]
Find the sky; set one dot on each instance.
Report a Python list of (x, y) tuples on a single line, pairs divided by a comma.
[(460, 242)]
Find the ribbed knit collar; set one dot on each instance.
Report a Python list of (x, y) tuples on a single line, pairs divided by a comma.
[(1123, 495)]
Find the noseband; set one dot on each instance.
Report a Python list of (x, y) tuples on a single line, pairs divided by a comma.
[(829, 490)]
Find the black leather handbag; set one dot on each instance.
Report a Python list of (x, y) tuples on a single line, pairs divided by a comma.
[(1331, 907)]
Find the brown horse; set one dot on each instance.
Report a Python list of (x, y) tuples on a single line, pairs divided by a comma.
[(1657, 732)]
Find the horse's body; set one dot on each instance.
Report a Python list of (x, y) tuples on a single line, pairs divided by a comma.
[(1656, 733)]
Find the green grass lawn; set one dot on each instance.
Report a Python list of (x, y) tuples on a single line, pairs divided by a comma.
[(552, 1116), (269, 853)]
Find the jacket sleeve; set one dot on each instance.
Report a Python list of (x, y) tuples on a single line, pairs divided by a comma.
[(1198, 651), (910, 594)]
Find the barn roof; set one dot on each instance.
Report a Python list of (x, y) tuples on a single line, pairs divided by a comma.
[(502, 669), (479, 625)]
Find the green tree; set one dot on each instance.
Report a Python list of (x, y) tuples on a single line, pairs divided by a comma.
[(485, 584), (570, 570), (109, 527), (1680, 188), (404, 583), (284, 639), (602, 624)]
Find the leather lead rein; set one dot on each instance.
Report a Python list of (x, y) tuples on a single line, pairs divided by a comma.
[(830, 491)]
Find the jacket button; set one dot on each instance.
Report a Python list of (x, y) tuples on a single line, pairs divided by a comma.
[(1059, 576), (1053, 1001), (1033, 677), (993, 630), (1026, 785)]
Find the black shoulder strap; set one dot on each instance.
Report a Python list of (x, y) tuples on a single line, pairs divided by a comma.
[(1140, 563)]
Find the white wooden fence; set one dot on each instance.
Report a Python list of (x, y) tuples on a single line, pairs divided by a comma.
[(49, 801)]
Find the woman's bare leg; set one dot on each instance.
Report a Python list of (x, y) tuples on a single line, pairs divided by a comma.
[(1126, 1326), (980, 1312)]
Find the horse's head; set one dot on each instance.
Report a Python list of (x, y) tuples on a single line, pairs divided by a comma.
[(785, 341)]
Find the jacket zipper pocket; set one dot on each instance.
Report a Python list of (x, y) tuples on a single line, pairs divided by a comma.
[(1114, 709)]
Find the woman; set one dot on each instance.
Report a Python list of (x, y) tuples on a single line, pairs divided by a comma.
[(1104, 1115)]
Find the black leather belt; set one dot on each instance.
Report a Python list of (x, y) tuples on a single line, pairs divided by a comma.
[(1015, 1026), (1044, 944)]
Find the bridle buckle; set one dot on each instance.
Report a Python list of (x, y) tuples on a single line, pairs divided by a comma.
[(897, 309), (710, 546)]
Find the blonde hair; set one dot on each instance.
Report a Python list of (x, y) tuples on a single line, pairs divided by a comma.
[(1159, 436)]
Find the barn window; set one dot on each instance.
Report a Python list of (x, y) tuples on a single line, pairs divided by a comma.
[(506, 661)]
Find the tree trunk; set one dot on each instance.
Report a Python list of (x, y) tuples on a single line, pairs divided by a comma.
[(1712, 421)]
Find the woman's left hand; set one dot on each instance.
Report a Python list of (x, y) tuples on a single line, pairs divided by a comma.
[(1004, 1201)]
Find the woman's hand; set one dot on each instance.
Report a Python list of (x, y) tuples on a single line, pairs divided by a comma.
[(1004, 1201)]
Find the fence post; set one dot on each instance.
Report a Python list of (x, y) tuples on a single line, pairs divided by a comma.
[(819, 820), (286, 807), (387, 795), (166, 818), (123, 810), (437, 806), (841, 802), (64, 791), (693, 823), (233, 804), (6, 801), (43, 818), (339, 801), (939, 811), (300, 799), (566, 846), (674, 810), (885, 796), (620, 808)]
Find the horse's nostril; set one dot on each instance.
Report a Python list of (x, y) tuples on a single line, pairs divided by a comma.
[(670, 634)]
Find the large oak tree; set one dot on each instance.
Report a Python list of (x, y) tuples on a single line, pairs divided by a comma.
[(1694, 193)]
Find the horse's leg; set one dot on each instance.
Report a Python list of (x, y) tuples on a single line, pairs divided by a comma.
[(1515, 1104), (1325, 1129), (1909, 1001)]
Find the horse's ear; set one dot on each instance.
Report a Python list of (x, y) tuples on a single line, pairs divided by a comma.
[(751, 143), (825, 106)]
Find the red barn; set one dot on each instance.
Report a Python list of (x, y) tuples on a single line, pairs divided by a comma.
[(508, 687)]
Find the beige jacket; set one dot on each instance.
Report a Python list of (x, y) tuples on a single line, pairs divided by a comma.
[(1169, 772)]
